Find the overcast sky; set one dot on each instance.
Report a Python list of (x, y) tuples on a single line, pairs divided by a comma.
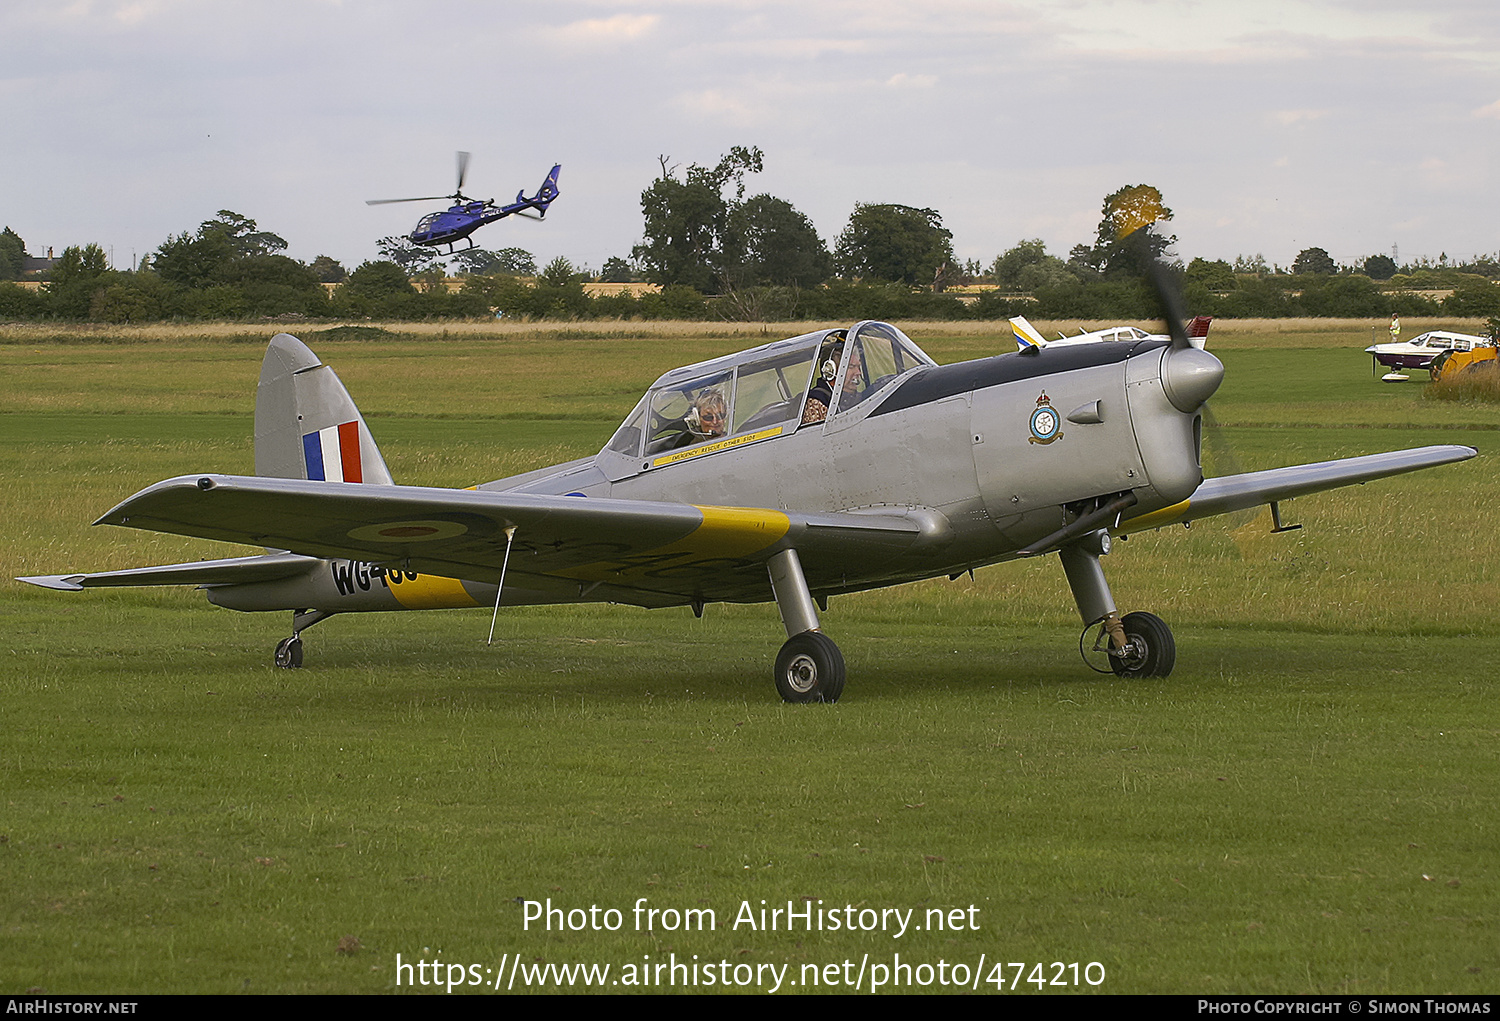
[(1351, 125)]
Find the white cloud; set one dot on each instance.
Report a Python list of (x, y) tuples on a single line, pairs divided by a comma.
[(902, 80), (717, 105), (1492, 111), (622, 28)]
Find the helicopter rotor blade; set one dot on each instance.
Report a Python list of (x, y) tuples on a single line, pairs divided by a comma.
[(463, 170), (386, 202)]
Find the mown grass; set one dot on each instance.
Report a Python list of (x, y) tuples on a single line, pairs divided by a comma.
[(1307, 805)]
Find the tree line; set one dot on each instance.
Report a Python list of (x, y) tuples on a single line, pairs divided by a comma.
[(716, 254)]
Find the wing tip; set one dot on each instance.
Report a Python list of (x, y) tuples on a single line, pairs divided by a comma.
[(59, 582)]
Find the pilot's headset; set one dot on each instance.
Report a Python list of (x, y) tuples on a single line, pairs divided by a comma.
[(830, 368)]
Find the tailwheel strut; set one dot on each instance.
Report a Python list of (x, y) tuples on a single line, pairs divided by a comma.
[(289, 650)]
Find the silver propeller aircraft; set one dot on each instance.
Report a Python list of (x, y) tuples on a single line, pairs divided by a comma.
[(840, 460)]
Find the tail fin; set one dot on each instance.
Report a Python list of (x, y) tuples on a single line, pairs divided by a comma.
[(536, 206), (1197, 330), (548, 191), (306, 425), (1027, 339)]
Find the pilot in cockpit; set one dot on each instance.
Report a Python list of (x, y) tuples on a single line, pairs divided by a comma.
[(708, 417), (820, 397)]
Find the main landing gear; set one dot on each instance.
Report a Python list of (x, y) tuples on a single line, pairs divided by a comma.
[(1137, 645), (289, 650), (810, 667)]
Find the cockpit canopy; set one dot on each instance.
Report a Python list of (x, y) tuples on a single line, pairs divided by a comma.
[(764, 392)]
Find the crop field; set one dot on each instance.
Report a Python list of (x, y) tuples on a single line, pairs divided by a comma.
[(1309, 804)]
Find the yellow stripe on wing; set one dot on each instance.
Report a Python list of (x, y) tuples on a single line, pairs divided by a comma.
[(725, 536), (1166, 516), (733, 531)]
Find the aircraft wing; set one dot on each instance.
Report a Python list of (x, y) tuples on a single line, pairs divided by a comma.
[(1252, 489), (645, 552), (233, 571)]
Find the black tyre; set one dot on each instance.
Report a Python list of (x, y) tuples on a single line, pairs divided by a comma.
[(289, 653), (1150, 651), (810, 668)]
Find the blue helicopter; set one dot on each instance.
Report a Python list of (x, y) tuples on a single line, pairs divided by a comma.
[(467, 215)]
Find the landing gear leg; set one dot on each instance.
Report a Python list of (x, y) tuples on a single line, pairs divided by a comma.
[(1138, 644), (289, 650), (810, 667)]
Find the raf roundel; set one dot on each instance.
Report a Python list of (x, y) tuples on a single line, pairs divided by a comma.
[(409, 531)]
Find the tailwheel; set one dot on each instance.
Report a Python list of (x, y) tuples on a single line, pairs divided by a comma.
[(289, 653), (1149, 648), (810, 668)]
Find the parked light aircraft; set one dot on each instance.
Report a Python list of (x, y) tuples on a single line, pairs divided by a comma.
[(836, 461), (1026, 335), (1419, 352)]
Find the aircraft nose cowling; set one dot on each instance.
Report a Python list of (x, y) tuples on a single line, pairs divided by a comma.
[(1189, 377)]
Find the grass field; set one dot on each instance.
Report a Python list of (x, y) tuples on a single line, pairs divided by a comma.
[(1308, 804)]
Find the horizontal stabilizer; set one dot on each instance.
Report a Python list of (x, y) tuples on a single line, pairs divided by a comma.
[(1252, 489), (234, 571)]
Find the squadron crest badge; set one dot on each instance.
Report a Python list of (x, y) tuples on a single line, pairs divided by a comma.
[(1046, 426)]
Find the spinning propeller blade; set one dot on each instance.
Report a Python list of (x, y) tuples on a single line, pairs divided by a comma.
[(1134, 220), (1171, 301), (1134, 212)]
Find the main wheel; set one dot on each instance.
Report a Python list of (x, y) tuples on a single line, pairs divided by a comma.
[(810, 668), (1150, 650), (289, 653)]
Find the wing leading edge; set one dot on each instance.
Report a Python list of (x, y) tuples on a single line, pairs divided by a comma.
[(1253, 489)]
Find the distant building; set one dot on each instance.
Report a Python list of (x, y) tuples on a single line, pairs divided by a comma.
[(37, 264)]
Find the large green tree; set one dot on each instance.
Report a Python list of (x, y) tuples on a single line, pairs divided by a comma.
[(328, 270), (514, 261), (897, 243), (1127, 238), (406, 253), (12, 254), (687, 220), (75, 277), (1314, 260), (378, 280), (1027, 266), (203, 258), (769, 242), (1380, 267), (243, 235)]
